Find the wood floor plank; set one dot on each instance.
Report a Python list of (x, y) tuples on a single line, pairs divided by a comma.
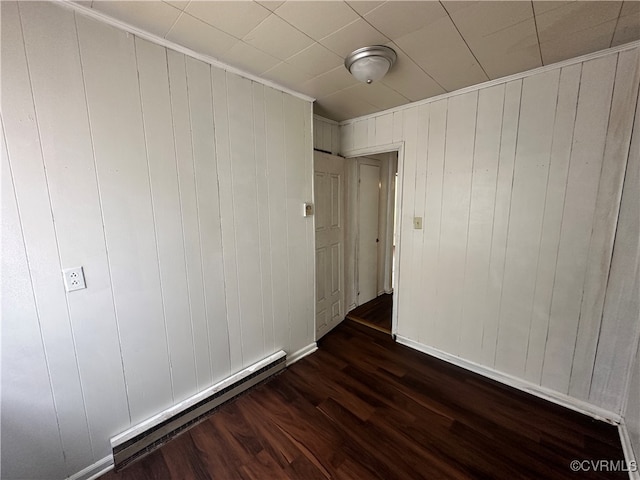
[(364, 407)]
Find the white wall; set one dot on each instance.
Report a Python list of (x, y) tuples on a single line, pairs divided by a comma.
[(179, 188), (519, 184), (622, 304), (326, 135)]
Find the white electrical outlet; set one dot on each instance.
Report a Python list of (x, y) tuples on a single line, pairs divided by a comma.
[(74, 279)]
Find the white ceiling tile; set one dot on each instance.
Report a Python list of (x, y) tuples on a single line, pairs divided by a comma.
[(483, 18), (578, 43), (236, 18), (327, 83), (286, 75), (575, 17), (546, 5), (180, 4), (317, 19), (353, 36), (249, 58), (343, 105), (395, 19), (409, 79), (377, 94), (507, 51), (201, 37), (271, 5), (84, 3), (276, 37), (455, 5), (315, 60), (154, 17), (451, 64), (363, 6), (630, 8), (627, 30)]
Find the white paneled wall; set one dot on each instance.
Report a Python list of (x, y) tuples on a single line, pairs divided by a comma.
[(326, 135), (519, 183), (179, 188)]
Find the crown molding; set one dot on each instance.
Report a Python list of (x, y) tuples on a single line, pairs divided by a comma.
[(214, 62)]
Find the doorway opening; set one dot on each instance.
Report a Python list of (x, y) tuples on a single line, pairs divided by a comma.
[(371, 239)]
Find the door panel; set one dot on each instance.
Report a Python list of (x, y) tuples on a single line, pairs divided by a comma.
[(368, 222), (329, 204)]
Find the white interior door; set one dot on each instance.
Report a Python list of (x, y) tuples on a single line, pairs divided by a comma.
[(368, 229), (329, 221)]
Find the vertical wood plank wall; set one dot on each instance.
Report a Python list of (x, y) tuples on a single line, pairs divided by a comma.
[(519, 185), (179, 188), (622, 302), (326, 135)]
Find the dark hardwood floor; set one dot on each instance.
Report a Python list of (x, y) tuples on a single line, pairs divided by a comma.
[(375, 313), (363, 407)]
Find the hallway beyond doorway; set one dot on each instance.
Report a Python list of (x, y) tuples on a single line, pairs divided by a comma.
[(375, 313)]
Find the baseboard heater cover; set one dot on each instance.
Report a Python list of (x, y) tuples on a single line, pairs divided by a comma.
[(148, 435)]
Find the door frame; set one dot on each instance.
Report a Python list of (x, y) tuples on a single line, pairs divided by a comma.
[(399, 148)]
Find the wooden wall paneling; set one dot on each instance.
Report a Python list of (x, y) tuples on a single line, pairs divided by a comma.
[(432, 220), (417, 236), (625, 92), (483, 190), (346, 137), (335, 138), (360, 134), (539, 99), (384, 129), (502, 207), (24, 361), (456, 196), (371, 131), (163, 174), (280, 265), (407, 318), (245, 206), (264, 231), (32, 196), (189, 211), (113, 99), (327, 140), (208, 207), (594, 102), (398, 125), (622, 304), (552, 220), (227, 215), (58, 92), (298, 191)]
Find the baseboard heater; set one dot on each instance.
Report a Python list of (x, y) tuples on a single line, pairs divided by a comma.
[(145, 437)]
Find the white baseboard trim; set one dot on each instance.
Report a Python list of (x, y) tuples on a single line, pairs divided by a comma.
[(303, 352), (541, 392), (627, 448), (94, 471), (101, 467)]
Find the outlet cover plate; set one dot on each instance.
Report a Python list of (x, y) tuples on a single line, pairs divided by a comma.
[(74, 279)]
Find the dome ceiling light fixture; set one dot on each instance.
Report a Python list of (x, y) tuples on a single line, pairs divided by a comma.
[(370, 64)]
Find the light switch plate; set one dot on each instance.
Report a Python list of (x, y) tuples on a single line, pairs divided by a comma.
[(74, 279), (417, 223)]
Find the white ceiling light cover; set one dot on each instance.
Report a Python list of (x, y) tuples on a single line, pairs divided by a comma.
[(370, 64)]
